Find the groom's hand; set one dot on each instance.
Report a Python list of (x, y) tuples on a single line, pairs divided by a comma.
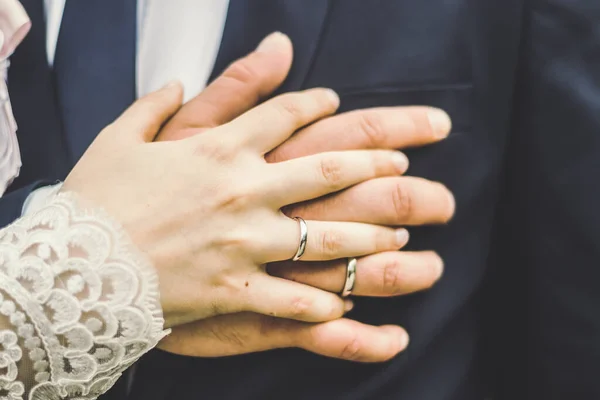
[(242, 333), (392, 201)]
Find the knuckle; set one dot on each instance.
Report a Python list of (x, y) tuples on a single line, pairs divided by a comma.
[(241, 72), (292, 107), (227, 285), (371, 126), (220, 151), (299, 307), (331, 171), (331, 244), (391, 279), (352, 349), (403, 202), (302, 107), (234, 241), (237, 199)]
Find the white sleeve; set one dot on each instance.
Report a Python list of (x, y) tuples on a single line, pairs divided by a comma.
[(79, 303), (39, 198)]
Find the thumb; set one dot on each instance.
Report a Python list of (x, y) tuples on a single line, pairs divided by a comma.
[(143, 119), (240, 87)]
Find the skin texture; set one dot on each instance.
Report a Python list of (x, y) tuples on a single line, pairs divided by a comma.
[(210, 217), (393, 201)]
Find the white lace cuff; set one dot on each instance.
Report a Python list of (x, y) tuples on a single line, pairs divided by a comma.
[(78, 304)]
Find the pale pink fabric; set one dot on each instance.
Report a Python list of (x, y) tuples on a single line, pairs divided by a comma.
[(14, 25)]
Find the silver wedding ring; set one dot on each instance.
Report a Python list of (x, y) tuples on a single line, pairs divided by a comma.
[(303, 238), (350, 277)]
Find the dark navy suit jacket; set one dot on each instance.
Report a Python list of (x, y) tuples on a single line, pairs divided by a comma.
[(517, 312)]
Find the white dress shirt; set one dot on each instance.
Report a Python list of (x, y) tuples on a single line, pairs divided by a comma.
[(176, 39)]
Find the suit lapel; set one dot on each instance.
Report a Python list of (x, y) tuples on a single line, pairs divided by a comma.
[(95, 67), (249, 21)]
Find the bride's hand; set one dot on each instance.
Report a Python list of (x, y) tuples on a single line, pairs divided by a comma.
[(206, 209)]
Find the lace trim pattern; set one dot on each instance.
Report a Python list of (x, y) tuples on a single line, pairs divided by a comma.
[(78, 304)]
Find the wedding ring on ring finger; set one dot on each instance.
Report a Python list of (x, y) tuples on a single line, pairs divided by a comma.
[(328, 240), (303, 238), (350, 277)]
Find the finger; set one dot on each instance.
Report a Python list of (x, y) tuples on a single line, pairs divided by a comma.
[(243, 84), (280, 298), (320, 174), (385, 274), (269, 124), (375, 128), (351, 340), (243, 333), (384, 201), (144, 118), (329, 240)]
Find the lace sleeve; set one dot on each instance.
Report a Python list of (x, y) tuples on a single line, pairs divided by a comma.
[(78, 304)]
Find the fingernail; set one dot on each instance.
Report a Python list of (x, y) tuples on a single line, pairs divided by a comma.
[(273, 43), (400, 161), (438, 267), (335, 99), (452, 204), (401, 237), (404, 339), (440, 123), (348, 305)]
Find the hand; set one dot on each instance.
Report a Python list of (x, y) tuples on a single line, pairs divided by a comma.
[(401, 200), (242, 333), (398, 200), (207, 209)]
